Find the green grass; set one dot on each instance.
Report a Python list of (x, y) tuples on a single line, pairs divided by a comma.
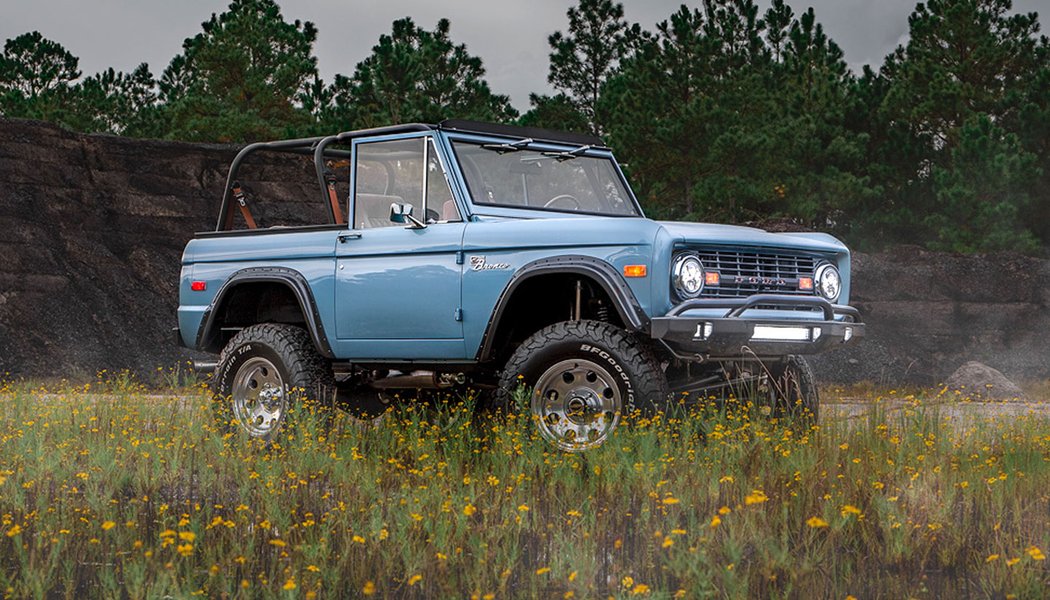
[(110, 491)]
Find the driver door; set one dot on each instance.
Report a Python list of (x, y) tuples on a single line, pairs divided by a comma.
[(397, 287)]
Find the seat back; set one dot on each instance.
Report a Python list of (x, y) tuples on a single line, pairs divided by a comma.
[(373, 210)]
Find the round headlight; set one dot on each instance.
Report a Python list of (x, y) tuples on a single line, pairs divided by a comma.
[(688, 276), (829, 283)]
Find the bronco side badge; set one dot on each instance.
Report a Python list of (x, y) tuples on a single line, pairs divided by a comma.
[(477, 263)]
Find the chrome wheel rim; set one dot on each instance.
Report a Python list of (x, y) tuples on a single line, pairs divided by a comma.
[(576, 405), (259, 397)]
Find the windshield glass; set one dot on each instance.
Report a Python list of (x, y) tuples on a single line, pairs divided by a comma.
[(563, 181)]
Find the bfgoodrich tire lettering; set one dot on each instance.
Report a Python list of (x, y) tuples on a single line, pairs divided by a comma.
[(264, 371), (586, 374)]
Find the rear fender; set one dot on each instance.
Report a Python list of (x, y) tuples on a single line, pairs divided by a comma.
[(208, 336)]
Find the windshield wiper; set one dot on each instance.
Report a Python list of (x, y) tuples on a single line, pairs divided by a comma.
[(508, 147), (568, 154)]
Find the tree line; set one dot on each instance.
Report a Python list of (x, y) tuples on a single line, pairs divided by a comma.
[(723, 112)]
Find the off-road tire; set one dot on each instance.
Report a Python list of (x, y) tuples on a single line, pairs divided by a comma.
[(793, 389), (304, 373), (641, 384)]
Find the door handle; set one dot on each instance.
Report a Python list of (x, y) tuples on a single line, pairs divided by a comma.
[(350, 235)]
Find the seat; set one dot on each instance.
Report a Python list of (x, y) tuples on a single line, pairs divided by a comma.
[(449, 212), (373, 210)]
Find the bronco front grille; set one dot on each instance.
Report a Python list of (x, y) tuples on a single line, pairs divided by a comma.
[(744, 273)]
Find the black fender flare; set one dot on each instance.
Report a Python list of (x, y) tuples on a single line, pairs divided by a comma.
[(207, 335), (614, 285)]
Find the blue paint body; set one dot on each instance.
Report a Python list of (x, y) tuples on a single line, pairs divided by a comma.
[(396, 294)]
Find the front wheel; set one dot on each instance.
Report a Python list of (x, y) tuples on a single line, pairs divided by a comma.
[(262, 372), (793, 389), (584, 377)]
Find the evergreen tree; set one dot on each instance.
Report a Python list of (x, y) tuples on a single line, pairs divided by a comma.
[(724, 115), (116, 102), (982, 192), (584, 58), (36, 77), (555, 112), (963, 58), (415, 75), (965, 61), (242, 78)]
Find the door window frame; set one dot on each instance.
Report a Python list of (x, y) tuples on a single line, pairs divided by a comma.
[(430, 144)]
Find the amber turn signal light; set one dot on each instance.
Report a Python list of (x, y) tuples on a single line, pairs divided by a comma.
[(712, 278), (634, 271), (805, 283)]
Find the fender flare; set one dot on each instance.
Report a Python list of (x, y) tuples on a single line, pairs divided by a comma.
[(614, 285), (290, 278)]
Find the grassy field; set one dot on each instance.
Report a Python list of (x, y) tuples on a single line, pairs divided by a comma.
[(107, 490)]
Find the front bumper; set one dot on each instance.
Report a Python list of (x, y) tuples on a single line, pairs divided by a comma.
[(732, 335)]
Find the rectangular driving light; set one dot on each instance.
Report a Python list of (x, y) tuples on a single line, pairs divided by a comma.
[(777, 333)]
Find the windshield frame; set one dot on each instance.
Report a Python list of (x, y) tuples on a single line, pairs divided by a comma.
[(497, 209)]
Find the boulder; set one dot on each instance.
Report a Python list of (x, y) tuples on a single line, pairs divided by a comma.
[(979, 381)]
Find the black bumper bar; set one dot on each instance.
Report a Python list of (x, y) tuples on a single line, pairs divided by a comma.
[(732, 335)]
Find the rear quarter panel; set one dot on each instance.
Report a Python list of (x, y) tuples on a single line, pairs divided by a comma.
[(214, 258)]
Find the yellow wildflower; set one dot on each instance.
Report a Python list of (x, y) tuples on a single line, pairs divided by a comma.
[(369, 589), (849, 509), (816, 522), (413, 580), (755, 497)]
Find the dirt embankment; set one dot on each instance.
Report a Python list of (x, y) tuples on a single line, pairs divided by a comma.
[(929, 312), (92, 228)]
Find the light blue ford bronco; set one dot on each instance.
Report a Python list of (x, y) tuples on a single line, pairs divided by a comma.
[(491, 256)]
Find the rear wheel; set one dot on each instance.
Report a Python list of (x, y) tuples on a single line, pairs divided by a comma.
[(262, 373), (584, 376)]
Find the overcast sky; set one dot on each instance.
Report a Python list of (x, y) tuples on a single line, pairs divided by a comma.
[(509, 36)]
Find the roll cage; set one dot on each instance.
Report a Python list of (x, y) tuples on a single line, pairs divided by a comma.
[(319, 149)]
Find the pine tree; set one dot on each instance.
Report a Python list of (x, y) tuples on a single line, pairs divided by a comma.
[(36, 77), (415, 75), (242, 77), (584, 58)]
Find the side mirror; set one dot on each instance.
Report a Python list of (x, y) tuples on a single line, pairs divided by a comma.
[(402, 213)]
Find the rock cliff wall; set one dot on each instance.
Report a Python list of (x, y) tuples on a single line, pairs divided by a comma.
[(92, 228)]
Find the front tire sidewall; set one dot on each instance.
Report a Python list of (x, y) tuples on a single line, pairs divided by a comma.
[(630, 367), (538, 363)]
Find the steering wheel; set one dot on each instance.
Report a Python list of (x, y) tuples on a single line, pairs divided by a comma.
[(570, 197)]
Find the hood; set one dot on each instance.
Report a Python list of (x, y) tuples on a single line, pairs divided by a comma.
[(737, 235)]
